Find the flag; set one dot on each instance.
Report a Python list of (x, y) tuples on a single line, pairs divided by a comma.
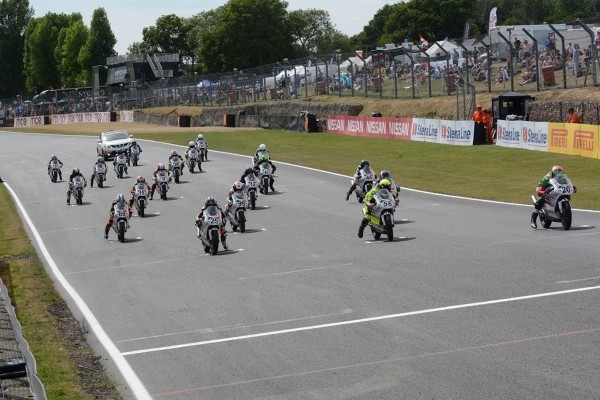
[(467, 28), (424, 42), (493, 18)]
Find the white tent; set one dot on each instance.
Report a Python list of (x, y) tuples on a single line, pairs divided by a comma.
[(433, 50), (356, 61)]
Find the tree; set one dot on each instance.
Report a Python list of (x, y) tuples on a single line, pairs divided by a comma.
[(308, 27), (200, 24), (170, 35), (99, 45), (249, 33), (69, 44), (14, 17)]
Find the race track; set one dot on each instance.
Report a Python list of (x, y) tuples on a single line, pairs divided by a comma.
[(467, 302)]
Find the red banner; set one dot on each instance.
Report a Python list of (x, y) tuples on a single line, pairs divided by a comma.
[(391, 128)]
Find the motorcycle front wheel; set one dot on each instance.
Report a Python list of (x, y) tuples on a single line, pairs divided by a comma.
[(253, 200), (121, 234), (389, 227), (214, 244), (566, 216), (141, 211)]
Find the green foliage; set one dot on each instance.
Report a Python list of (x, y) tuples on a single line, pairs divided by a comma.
[(69, 45), (308, 28), (100, 44), (14, 16)]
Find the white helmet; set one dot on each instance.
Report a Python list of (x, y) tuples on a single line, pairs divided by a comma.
[(200, 136), (192, 144), (262, 147)]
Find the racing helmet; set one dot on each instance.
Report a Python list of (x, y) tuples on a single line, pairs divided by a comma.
[(557, 169), (200, 136), (364, 163), (237, 185), (160, 166), (262, 147), (53, 157), (192, 144), (174, 153), (210, 201), (100, 159), (385, 184), (76, 170), (385, 174), (120, 198), (141, 179), (248, 171), (263, 157), (133, 143)]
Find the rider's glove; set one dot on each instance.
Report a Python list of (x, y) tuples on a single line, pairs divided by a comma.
[(549, 189)]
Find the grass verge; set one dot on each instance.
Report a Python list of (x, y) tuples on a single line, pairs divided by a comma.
[(66, 365)]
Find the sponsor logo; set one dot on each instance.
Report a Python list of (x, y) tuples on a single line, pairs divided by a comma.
[(559, 138), (534, 138), (356, 126), (461, 133), (583, 140), (376, 127), (399, 128), (424, 130), (508, 135)]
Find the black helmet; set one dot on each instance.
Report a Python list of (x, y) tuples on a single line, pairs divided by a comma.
[(210, 201), (248, 171), (385, 174), (364, 163)]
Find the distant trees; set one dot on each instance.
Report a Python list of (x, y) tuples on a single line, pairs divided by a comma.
[(14, 17)]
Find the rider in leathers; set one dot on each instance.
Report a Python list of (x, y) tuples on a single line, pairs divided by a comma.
[(120, 153), (99, 161), (135, 145), (265, 159), (54, 158), (368, 203), (210, 201), (111, 213), (363, 163), (159, 167), (75, 173), (192, 145), (174, 154), (541, 192), (140, 179), (237, 186)]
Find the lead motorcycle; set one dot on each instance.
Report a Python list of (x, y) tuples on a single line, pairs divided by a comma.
[(175, 164), (100, 174), (364, 183), (120, 165), (140, 198), (121, 220), (134, 155), (162, 183), (557, 204), (209, 231), (236, 213), (54, 170), (381, 218), (77, 188), (251, 181)]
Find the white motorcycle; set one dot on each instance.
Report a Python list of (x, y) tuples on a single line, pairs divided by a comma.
[(100, 174), (236, 213), (193, 159), (77, 188), (120, 220), (175, 164), (209, 232), (251, 182), (134, 155), (557, 204), (54, 170), (364, 183), (140, 198), (382, 214), (264, 175), (162, 183), (120, 165), (201, 146)]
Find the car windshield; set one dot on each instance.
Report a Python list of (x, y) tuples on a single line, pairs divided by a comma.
[(110, 136)]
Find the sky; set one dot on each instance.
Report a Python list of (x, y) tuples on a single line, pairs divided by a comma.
[(128, 17)]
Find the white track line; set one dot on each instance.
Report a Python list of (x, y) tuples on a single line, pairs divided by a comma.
[(128, 373), (359, 321), (295, 271)]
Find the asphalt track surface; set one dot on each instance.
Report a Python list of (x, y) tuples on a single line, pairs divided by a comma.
[(467, 301)]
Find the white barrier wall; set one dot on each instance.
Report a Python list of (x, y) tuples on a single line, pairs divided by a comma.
[(126, 116), (29, 121), (522, 134), (79, 117)]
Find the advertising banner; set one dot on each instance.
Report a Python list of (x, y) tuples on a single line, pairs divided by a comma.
[(461, 133), (425, 130), (534, 135), (126, 116), (558, 137), (390, 128), (508, 133), (575, 139), (29, 121), (59, 119)]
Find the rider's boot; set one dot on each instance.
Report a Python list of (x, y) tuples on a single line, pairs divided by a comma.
[(534, 216), (106, 229), (92, 181), (152, 192), (69, 198), (361, 228), (271, 184), (224, 242)]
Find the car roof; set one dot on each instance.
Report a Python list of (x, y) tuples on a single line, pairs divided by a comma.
[(111, 132)]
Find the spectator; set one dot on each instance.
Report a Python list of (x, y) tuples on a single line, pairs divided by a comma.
[(526, 49), (573, 117), (549, 44), (487, 121), (478, 114), (576, 60), (529, 75)]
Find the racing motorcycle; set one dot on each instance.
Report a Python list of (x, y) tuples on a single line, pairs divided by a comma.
[(175, 163), (54, 170), (364, 183), (77, 188), (381, 219), (140, 198), (557, 204), (209, 231), (193, 159), (236, 213), (264, 174), (251, 182), (120, 164), (121, 220), (162, 184), (134, 155), (100, 174), (202, 156)]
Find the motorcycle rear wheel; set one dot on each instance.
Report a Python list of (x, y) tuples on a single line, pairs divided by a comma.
[(253, 200), (546, 222)]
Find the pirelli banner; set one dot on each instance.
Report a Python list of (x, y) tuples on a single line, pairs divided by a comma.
[(573, 139), (418, 129)]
